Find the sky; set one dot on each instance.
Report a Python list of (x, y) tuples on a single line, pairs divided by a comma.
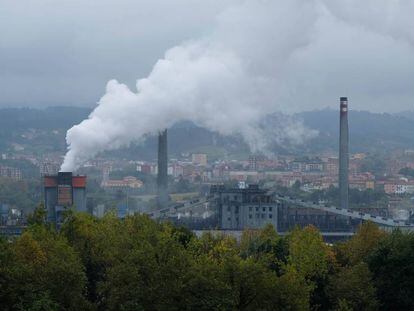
[(65, 52)]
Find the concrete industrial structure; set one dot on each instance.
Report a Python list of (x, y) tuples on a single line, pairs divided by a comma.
[(236, 209), (343, 154), (253, 208), (243, 208), (62, 191), (162, 175)]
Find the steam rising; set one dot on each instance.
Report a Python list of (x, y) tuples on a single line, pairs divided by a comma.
[(227, 81)]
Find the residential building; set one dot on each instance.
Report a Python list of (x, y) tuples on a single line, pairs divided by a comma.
[(126, 182), (199, 159), (11, 172)]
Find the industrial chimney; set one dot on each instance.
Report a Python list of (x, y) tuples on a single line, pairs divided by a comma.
[(162, 177), (343, 154)]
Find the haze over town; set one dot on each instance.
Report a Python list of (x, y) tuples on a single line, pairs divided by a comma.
[(206, 155)]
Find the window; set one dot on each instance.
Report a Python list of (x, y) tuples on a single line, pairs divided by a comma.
[(263, 216), (235, 198), (257, 215), (236, 210), (228, 219), (250, 216), (228, 208), (257, 209), (264, 209), (250, 208), (270, 208), (270, 215)]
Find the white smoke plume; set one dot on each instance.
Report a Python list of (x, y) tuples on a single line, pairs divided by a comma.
[(227, 82)]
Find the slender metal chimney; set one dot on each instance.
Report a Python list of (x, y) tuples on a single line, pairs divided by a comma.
[(162, 176), (343, 154)]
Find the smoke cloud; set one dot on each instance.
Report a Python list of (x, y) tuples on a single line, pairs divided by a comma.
[(227, 81), (254, 62)]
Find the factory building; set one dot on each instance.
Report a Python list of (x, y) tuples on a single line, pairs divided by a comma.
[(63, 191), (241, 208)]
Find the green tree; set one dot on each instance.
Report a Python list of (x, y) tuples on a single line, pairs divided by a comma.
[(392, 267), (312, 259), (265, 245), (308, 253), (82, 232), (354, 285), (147, 268), (44, 272), (38, 217), (182, 234)]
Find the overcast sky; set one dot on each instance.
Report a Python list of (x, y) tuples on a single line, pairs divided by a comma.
[(64, 52)]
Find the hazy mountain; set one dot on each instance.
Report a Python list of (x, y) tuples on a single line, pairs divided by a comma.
[(43, 130), (49, 118), (368, 131), (409, 114)]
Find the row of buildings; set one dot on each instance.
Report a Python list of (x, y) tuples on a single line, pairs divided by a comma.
[(310, 173), (13, 173)]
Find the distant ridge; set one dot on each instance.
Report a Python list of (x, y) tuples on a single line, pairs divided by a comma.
[(370, 132)]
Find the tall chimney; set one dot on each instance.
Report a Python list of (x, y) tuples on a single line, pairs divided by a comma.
[(343, 154), (162, 177)]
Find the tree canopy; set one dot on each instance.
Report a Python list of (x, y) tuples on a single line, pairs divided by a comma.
[(139, 264)]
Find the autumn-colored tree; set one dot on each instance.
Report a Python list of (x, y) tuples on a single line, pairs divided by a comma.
[(44, 273), (366, 239), (140, 264)]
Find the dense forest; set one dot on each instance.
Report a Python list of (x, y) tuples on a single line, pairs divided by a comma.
[(139, 264)]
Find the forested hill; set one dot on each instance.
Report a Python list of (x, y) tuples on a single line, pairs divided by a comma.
[(37, 130), (43, 130), (50, 118), (407, 114), (367, 131)]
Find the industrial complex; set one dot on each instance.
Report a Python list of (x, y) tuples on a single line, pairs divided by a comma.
[(224, 207), (63, 191), (247, 206)]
